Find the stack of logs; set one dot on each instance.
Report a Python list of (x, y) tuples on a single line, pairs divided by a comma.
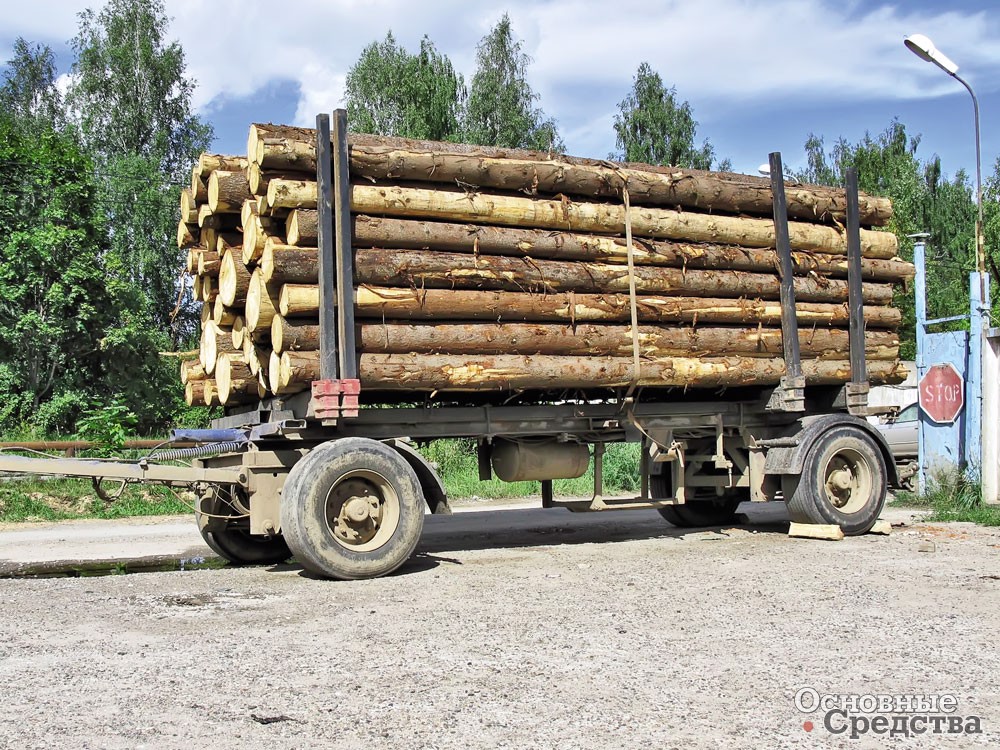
[(488, 269)]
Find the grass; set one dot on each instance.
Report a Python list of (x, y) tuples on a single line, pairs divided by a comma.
[(953, 497), (61, 499)]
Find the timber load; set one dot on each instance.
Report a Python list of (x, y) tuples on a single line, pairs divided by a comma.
[(484, 269)]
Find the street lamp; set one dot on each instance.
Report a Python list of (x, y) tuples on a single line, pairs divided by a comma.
[(924, 48)]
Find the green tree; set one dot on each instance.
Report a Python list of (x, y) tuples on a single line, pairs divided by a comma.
[(391, 92), (53, 307), (132, 97), (652, 126), (29, 94), (924, 200), (502, 107)]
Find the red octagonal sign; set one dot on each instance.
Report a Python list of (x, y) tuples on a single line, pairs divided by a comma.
[(942, 393)]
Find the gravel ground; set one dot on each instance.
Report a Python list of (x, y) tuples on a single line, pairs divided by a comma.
[(517, 629)]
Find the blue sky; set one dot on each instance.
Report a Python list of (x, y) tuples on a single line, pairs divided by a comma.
[(760, 74)]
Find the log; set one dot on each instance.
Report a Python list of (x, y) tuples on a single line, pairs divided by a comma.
[(227, 191), (215, 340), (189, 207), (187, 234), (192, 370), (282, 147), (191, 260), (209, 163), (372, 156), (283, 264), (234, 280), (209, 289), (222, 314), (262, 303), (291, 372), (258, 178), (207, 219), (507, 210), (298, 300), (373, 231), (239, 332), (826, 531), (199, 186), (255, 237), (226, 241), (584, 340), (302, 227), (235, 382), (197, 283), (201, 393), (433, 270), (208, 263), (708, 191), (206, 310), (248, 212), (288, 334), (428, 372)]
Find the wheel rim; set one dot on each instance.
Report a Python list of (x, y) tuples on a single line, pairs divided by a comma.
[(848, 480), (362, 510)]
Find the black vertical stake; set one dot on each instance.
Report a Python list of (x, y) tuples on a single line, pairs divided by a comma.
[(345, 257), (789, 321), (855, 301), (327, 260)]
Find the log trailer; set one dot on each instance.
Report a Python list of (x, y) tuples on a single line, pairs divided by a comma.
[(331, 476)]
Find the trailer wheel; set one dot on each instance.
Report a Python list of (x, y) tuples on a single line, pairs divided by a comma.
[(695, 513), (843, 482), (351, 509), (227, 532)]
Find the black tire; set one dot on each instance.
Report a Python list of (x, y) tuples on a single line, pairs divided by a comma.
[(352, 509), (843, 482), (230, 538), (696, 513)]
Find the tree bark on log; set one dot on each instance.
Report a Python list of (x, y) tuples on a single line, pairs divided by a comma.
[(192, 370), (255, 237), (282, 147), (209, 163), (284, 264), (187, 234), (374, 231), (234, 280), (288, 334), (214, 341), (258, 178), (296, 300), (302, 227), (201, 393), (429, 372), (189, 207), (695, 188), (422, 269), (668, 187), (234, 381), (222, 314), (208, 263), (538, 213), (199, 186), (585, 340), (227, 191)]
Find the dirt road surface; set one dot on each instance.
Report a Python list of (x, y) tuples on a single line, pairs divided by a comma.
[(516, 629)]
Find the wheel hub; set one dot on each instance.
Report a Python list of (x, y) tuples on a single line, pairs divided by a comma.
[(354, 512), (847, 481)]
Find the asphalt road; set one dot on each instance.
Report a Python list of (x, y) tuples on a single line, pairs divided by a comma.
[(509, 628)]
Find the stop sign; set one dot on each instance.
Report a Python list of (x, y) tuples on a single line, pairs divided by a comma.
[(942, 393)]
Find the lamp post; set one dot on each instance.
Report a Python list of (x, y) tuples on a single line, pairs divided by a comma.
[(924, 48)]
